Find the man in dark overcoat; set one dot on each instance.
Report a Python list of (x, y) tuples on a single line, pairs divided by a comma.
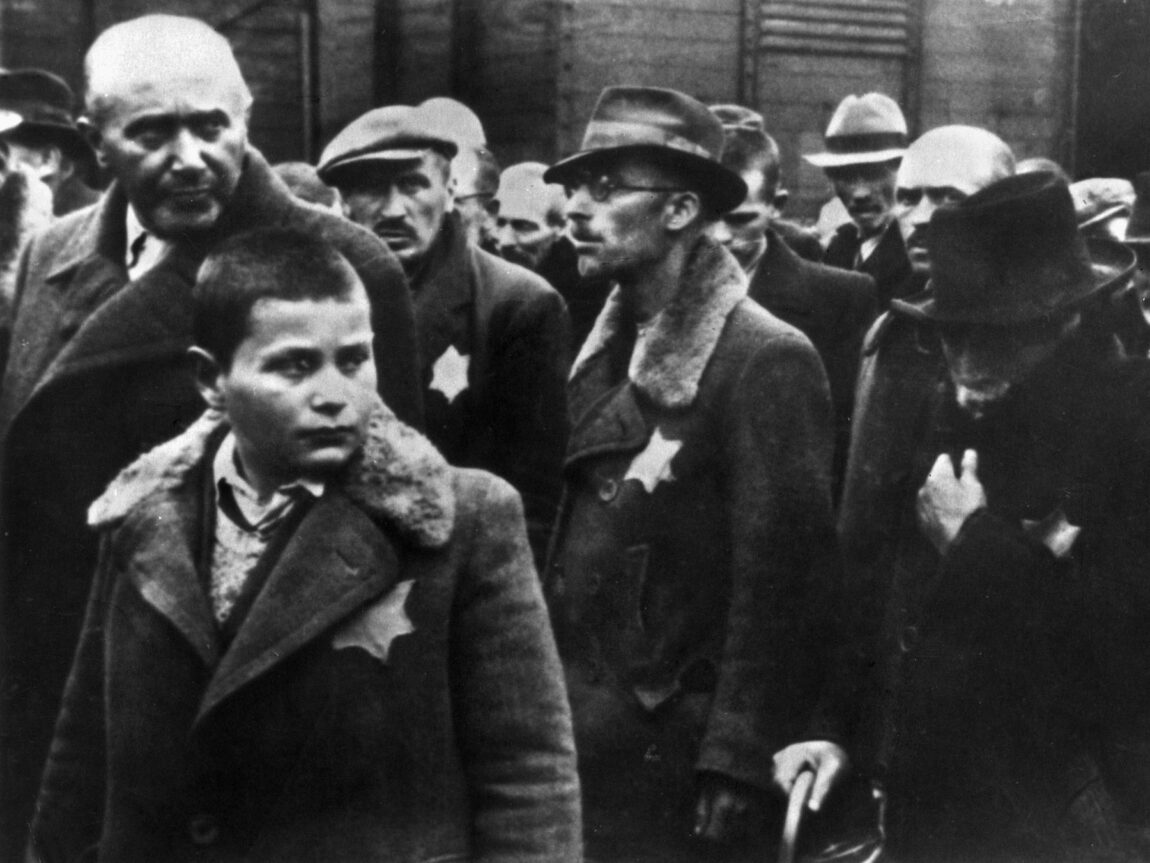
[(694, 546), (865, 140), (832, 307), (1010, 711), (902, 362), (96, 375), (493, 336)]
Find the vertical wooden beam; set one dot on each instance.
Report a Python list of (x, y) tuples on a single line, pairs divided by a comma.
[(388, 52), (1068, 151), (912, 68), (750, 30)]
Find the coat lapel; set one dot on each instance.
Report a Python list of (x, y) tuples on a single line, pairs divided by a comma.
[(164, 570), (336, 562), (614, 423), (777, 283)]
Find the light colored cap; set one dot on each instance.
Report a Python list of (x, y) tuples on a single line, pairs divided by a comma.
[(863, 129)]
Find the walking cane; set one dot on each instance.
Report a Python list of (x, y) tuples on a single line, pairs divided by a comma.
[(796, 805)]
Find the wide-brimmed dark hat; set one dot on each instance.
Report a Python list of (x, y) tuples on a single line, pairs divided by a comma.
[(667, 125), (1012, 253), (45, 104), (396, 133), (863, 130), (1138, 228)]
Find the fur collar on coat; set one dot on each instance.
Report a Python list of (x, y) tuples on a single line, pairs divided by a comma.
[(670, 355), (399, 478)]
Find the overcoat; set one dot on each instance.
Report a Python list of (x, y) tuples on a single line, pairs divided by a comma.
[(508, 415), (888, 264), (393, 692), (1009, 718), (97, 374), (832, 307), (693, 551)]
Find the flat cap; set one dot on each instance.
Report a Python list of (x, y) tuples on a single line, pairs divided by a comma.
[(392, 134)]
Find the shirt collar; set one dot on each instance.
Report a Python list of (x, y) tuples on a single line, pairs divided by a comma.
[(226, 469)]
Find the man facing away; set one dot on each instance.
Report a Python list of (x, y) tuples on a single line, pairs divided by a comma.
[(493, 336), (694, 552), (831, 306), (95, 375), (865, 140)]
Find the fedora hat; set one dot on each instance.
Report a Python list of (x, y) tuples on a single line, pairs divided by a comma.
[(44, 103), (665, 124), (1138, 228), (397, 133), (863, 129), (1012, 253)]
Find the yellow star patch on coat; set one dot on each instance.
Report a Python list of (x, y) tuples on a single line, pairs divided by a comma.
[(653, 464), (449, 374), (1055, 532), (377, 626)]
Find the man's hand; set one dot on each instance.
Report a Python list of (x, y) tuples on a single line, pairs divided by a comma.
[(826, 760), (945, 501), (726, 810)]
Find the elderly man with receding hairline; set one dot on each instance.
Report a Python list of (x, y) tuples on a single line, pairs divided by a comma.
[(96, 371)]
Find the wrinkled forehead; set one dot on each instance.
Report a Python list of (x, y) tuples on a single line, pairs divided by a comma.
[(121, 70)]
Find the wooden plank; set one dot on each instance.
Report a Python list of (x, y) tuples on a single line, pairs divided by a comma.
[(707, 7), (801, 12), (856, 6), (654, 24)]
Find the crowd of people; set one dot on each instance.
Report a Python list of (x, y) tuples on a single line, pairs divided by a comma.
[(402, 508)]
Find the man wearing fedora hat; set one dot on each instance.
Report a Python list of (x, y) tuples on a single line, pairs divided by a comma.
[(493, 336), (1008, 718), (694, 559), (48, 140), (865, 140)]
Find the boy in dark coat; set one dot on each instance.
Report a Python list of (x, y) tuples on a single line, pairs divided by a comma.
[(309, 638)]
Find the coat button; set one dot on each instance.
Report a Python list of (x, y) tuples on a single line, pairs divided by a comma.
[(908, 638), (204, 829), (608, 489)]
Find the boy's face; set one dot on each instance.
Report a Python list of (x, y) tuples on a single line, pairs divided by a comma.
[(300, 389)]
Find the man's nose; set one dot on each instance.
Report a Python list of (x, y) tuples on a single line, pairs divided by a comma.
[(859, 190), (577, 205), (391, 204), (720, 232), (505, 237), (921, 212), (187, 152)]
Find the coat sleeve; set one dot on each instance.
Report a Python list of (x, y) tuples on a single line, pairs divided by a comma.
[(511, 706), (783, 556), (69, 809)]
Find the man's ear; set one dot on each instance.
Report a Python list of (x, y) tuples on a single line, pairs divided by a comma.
[(95, 137), (681, 209), (209, 376)]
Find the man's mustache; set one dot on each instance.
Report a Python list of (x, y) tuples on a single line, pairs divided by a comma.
[(393, 227)]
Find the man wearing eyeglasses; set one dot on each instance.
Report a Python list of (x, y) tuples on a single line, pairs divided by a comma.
[(493, 336), (691, 574)]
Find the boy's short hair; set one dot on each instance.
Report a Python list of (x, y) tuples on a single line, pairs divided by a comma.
[(264, 263), (748, 149)]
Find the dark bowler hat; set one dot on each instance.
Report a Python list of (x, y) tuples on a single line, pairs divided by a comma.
[(45, 102), (1012, 253), (1138, 228), (667, 125), (863, 130), (396, 133)]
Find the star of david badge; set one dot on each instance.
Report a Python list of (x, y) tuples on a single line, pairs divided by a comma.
[(375, 628), (449, 374), (653, 465)]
